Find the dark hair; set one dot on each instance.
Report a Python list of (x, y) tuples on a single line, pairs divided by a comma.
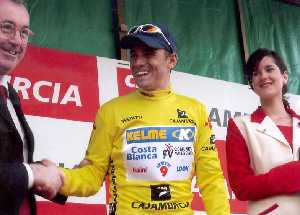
[(254, 60)]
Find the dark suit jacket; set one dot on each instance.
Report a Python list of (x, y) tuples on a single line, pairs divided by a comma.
[(13, 174)]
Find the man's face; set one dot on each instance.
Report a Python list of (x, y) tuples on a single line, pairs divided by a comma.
[(151, 67), (12, 47)]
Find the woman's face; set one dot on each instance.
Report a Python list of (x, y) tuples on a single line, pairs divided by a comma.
[(268, 80)]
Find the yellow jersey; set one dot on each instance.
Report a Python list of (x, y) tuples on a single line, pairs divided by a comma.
[(151, 145)]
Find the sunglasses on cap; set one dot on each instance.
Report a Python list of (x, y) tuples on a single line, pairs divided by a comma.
[(149, 29)]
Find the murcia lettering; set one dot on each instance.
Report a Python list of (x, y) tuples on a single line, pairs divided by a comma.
[(56, 96)]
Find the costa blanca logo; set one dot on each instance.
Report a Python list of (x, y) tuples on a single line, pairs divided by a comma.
[(142, 153)]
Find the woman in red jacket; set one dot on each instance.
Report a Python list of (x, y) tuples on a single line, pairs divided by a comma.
[(263, 148)]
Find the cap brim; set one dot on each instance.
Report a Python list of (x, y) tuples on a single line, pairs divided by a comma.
[(129, 41)]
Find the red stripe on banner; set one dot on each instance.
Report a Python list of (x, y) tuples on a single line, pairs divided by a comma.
[(236, 206), (49, 208), (57, 84), (107, 189), (197, 203)]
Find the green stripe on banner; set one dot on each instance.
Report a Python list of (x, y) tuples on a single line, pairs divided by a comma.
[(73, 25)]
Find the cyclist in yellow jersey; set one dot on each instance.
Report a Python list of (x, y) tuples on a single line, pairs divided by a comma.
[(151, 142)]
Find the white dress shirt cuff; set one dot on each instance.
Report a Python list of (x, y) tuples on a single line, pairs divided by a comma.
[(30, 175)]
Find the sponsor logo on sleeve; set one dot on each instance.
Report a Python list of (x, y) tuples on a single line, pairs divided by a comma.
[(181, 114), (212, 139), (211, 146), (208, 148), (131, 118), (182, 118)]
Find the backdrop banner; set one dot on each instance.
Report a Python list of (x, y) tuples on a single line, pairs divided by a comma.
[(61, 92)]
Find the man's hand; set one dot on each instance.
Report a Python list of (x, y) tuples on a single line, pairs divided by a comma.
[(47, 178)]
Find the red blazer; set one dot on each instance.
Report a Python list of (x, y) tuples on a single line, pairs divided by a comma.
[(253, 146)]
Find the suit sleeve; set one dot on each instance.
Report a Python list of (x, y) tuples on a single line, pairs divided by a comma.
[(283, 179), (87, 180), (209, 174), (13, 181)]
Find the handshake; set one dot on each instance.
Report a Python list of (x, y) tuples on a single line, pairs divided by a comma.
[(48, 178)]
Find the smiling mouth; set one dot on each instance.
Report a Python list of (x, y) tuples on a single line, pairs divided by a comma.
[(265, 84), (12, 52), (140, 74)]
